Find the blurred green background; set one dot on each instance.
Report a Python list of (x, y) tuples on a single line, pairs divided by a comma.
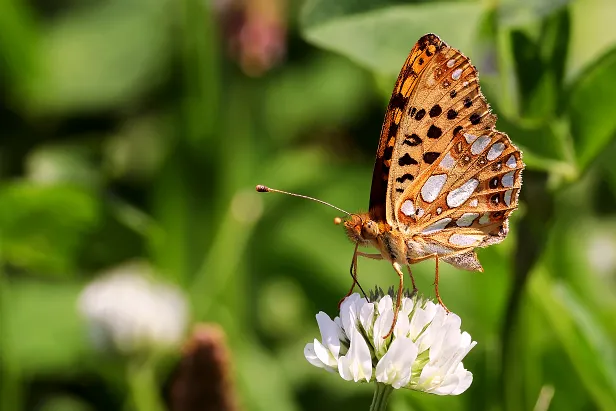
[(137, 130)]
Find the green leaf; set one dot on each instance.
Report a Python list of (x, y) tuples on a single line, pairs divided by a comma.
[(42, 226), (593, 33), (540, 61), (100, 57), (537, 84), (379, 39), (542, 145), (592, 111), (585, 342), (322, 92), (44, 332), (516, 13), (18, 42)]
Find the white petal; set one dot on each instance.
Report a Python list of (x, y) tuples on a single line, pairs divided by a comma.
[(428, 373), (449, 384), (341, 334), (454, 383), (448, 334), (434, 330), (357, 363), (456, 359), (382, 325), (329, 333), (395, 366), (421, 318), (366, 317), (465, 379), (311, 356), (347, 312), (385, 304), (323, 354), (401, 329), (407, 306)]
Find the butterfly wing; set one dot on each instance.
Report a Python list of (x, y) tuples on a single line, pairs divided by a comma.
[(452, 178)]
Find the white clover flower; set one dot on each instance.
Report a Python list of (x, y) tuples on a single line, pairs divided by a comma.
[(424, 353), (127, 311)]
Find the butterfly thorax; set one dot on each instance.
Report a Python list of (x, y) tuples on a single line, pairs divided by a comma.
[(365, 231)]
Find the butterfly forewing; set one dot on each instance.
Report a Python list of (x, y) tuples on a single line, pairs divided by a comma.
[(443, 172), (398, 111)]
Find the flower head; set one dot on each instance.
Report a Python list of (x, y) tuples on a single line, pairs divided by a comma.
[(127, 311), (424, 353)]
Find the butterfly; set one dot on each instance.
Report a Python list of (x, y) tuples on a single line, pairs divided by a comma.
[(445, 181)]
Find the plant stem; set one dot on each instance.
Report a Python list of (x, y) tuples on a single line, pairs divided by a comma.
[(381, 397), (143, 386)]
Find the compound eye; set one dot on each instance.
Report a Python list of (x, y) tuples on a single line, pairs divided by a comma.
[(371, 228)]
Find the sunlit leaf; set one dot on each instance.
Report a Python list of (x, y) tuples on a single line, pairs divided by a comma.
[(515, 13), (380, 39), (591, 109), (593, 33), (100, 57)]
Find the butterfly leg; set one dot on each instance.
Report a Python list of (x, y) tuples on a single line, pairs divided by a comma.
[(371, 256), (353, 272), (398, 299), (438, 296), (408, 267), (426, 257)]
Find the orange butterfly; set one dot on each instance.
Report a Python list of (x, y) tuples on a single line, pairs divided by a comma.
[(445, 180)]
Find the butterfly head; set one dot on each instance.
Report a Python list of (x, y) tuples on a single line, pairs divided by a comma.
[(360, 228)]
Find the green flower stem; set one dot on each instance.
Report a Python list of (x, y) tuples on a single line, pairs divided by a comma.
[(381, 397), (143, 386)]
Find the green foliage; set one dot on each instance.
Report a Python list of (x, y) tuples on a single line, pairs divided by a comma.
[(130, 132)]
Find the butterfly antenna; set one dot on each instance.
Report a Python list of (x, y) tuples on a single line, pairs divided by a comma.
[(263, 189)]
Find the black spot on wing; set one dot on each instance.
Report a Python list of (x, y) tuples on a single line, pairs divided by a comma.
[(495, 199), (430, 157), (404, 178), (434, 131), (398, 100), (494, 183), (388, 152), (393, 130), (412, 140), (406, 160), (435, 111)]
